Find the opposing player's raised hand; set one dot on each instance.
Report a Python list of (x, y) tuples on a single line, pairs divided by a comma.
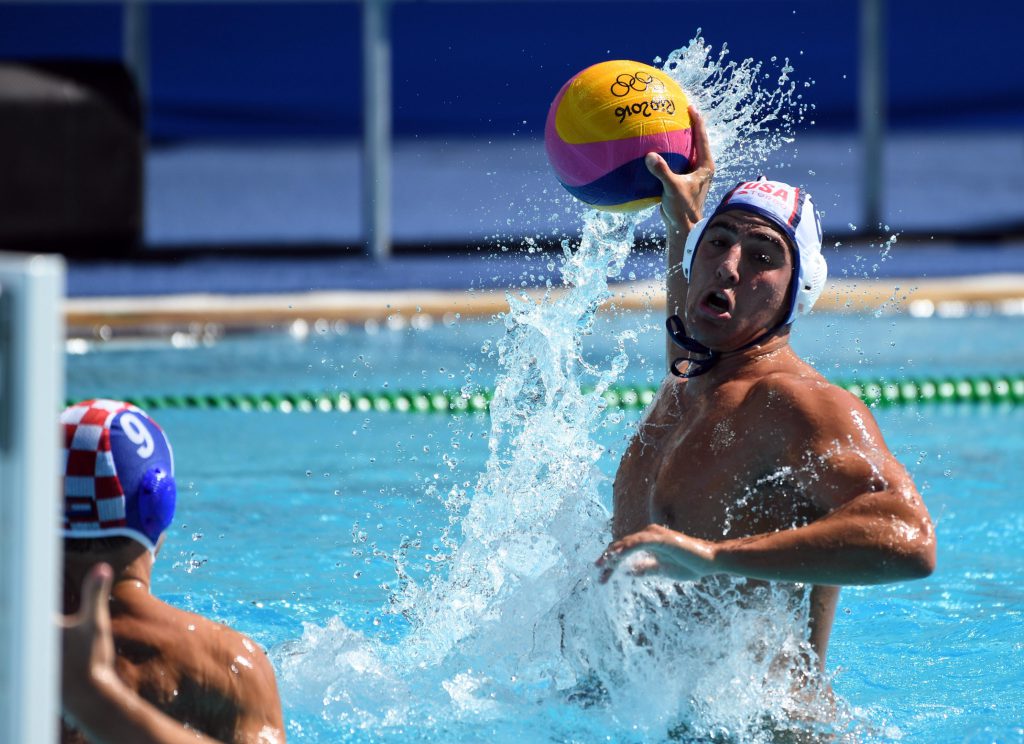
[(682, 201), (87, 644)]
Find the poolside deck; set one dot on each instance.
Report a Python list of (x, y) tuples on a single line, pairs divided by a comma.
[(476, 287), (246, 236)]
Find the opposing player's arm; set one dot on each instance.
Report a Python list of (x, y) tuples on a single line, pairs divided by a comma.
[(874, 529), (260, 720), (682, 206)]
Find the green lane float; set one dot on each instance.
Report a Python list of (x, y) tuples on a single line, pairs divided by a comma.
[(1000, 389)]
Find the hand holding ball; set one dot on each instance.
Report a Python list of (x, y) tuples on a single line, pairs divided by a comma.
[(604, 121)]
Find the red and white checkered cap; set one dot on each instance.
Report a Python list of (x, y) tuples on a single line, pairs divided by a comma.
[(95, 504)]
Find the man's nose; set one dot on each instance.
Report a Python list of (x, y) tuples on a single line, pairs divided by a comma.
[(728, 269)]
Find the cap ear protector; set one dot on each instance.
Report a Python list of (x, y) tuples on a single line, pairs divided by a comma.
[(692, 241), (810, 284), (157, 497)]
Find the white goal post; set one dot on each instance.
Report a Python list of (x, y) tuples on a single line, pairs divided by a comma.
[(31, 395)]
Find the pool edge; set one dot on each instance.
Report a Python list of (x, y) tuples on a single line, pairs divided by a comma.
[(236, 312)]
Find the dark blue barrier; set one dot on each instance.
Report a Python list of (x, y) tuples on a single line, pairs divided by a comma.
[(491, 68)]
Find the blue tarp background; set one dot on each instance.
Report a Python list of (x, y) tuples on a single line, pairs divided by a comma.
[(293, 69)]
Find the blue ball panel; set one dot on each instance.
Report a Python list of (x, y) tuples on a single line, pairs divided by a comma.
[(627, 183)]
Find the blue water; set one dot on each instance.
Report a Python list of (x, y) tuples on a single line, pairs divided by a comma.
[(448, 355), (280, 513)]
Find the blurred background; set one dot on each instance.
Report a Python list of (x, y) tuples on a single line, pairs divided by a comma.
[(173, 129)]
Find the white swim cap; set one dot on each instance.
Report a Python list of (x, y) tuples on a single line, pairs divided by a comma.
[(790, 208)]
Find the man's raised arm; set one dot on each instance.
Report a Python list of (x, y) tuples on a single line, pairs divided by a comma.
[(682, 206)]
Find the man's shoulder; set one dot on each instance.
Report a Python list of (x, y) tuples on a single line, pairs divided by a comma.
[(792, 386), (203, 645), (806, 397), (195, 669)]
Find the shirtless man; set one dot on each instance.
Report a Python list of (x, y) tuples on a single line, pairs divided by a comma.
[(119, 498), (749, 462)]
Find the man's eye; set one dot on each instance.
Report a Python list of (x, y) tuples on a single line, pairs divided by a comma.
[(764, 258)]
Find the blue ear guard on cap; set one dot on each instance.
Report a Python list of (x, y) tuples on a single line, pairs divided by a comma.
[(145, 468), (157, 497)]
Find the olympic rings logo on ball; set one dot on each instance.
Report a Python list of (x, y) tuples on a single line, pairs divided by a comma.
[(638, 82)]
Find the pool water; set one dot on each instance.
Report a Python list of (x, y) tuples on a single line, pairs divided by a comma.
[(289, 526)]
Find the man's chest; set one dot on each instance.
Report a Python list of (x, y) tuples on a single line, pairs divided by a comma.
[(714, 471)]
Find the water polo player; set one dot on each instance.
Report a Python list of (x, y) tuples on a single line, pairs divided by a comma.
[(748, 462), (119, 499)]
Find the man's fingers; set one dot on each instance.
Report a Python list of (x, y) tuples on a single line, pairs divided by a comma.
[(658, 167), (607, 562), (704, 160), (610, 554)]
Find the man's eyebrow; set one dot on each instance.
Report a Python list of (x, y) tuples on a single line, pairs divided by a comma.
[(726, 227), (769, 235), (763, 232)]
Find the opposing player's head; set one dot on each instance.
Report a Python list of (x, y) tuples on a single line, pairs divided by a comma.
[(118, 473)]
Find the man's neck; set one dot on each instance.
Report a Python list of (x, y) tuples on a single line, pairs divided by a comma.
[(132, 574), (744, 362)]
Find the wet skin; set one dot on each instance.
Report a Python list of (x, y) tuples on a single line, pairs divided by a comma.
[(93, 697), (759, 468), (198, 672)]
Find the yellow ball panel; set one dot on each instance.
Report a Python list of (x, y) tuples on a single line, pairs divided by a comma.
[(620, 99), (632, 206)]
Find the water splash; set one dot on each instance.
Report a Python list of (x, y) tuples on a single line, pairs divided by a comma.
[(524, 535), (514, 640), (748, 119)]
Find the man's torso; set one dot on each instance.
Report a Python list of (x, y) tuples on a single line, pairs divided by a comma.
[(718, 466)]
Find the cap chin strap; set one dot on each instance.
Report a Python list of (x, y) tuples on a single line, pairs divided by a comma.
[(697, 367)]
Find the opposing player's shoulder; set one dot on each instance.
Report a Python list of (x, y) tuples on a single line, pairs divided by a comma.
[(219, 646)]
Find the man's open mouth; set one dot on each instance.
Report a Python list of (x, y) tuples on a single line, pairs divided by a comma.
[(717, 303)]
